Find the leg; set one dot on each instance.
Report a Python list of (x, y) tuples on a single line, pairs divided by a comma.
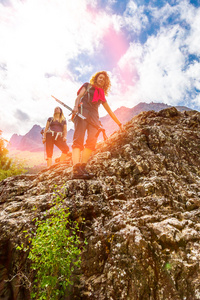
[(78, 170), (89, 147), (76, 154), (90, 143), (49, 148), (49, 161), (85, 155), (63, 157), (63, 147), (78, 139)]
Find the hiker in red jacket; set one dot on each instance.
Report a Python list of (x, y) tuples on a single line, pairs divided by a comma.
[(89, 97), (55, 133)]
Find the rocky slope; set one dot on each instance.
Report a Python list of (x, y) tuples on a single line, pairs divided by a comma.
[(142, 213), (125, 114)]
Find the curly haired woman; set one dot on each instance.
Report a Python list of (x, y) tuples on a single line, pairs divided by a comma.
[(89, 97)]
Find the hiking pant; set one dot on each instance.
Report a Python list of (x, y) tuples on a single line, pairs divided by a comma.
[(52, 140)]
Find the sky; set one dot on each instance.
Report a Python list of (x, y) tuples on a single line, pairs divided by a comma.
[(150, 49)]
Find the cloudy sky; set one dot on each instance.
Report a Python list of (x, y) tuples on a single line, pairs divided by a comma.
[(150, 48)]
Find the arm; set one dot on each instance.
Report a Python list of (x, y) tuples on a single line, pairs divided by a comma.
[(77, 101), (44, 134), (65, 132), (111, 113)]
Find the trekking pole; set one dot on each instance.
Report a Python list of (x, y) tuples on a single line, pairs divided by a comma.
[(42, 133), (69, 108)]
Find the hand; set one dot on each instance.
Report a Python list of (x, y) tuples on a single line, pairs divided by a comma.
[(64, 138), (75, 110), (121, 126), (44, 140)]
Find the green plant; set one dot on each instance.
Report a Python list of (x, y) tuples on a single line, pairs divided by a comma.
[(15, 168), (8, 167), (54, 253)]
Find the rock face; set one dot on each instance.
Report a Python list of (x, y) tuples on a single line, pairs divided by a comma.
[(125, 114), (142, 213)]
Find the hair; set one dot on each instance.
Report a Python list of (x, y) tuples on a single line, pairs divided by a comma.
[(107, 84), (62, 117)]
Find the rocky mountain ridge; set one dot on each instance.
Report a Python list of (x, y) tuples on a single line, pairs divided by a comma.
[(32, 140), (142, 213)]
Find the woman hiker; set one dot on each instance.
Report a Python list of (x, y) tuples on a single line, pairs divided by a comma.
[(89, 97), (55, 133)]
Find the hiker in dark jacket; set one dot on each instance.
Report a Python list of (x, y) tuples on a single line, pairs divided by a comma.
[(89, 97), (55, 133)]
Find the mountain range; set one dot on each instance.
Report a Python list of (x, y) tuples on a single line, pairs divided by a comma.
[(32, 140)]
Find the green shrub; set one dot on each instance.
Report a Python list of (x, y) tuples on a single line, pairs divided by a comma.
[(54, 253), (14, 169), (8, 167)]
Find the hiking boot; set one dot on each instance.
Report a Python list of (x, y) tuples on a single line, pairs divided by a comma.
[(79, 172), (90, 175)]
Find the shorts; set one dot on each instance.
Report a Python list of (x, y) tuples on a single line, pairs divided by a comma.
[(81, 126)]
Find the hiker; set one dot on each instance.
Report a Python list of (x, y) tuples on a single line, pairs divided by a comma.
[(89, 97), (55, 133)]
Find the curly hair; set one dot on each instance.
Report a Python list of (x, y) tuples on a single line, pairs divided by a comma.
[(107, 84)]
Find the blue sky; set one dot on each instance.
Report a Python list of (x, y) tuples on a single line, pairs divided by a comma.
[(151, 50)]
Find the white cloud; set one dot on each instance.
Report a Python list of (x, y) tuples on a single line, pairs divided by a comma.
[(192, 16), (159, 69), (134, 18), (193, 75), (161, 15), (39, 39), (156, 68), (161, 75)]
